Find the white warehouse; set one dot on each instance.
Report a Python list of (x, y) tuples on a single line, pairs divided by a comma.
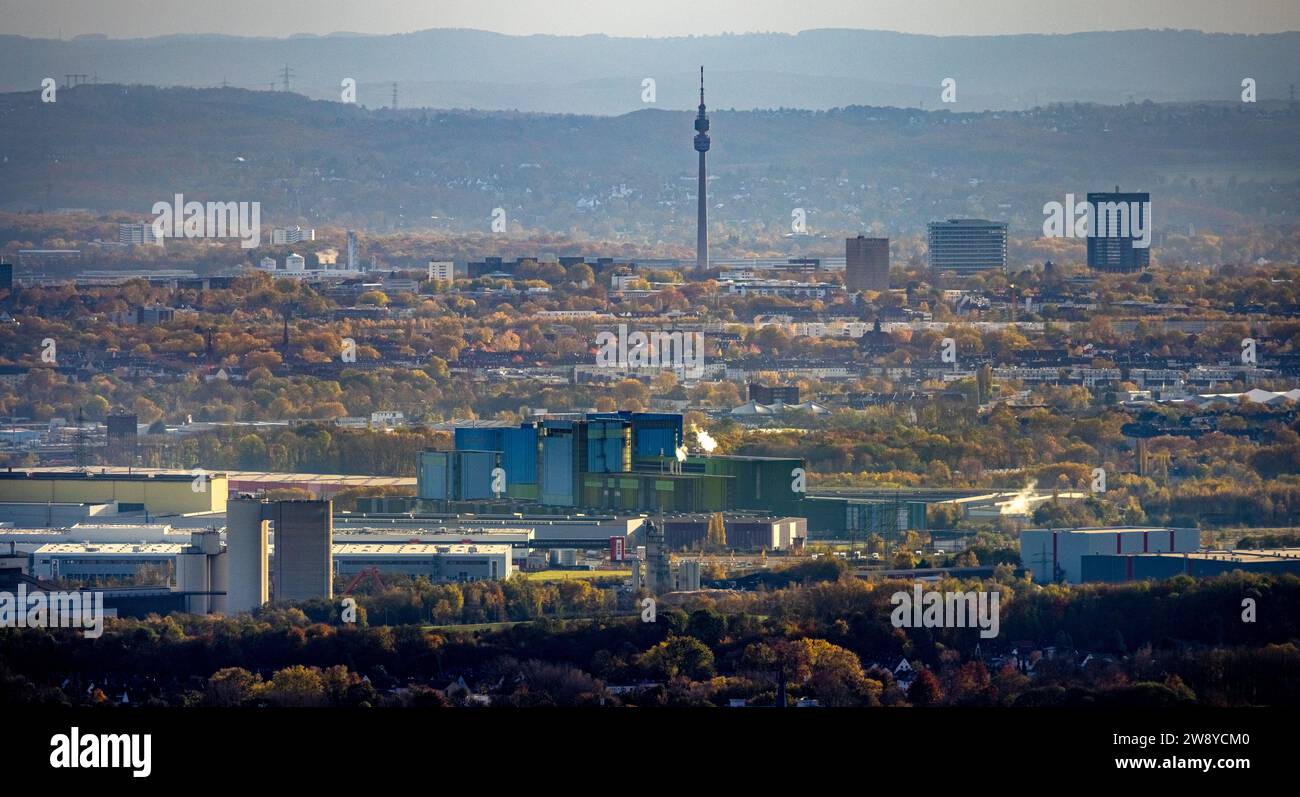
[(1056, 554), (451, 562)]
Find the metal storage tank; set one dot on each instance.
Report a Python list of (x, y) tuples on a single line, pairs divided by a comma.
[(564, 557), (192, 575), (219, 582), (688, 575)]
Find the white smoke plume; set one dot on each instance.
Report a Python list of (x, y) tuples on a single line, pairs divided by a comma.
[(1019, 505)]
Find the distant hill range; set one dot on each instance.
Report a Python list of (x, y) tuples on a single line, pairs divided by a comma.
[(1220, 167), (815, 69)]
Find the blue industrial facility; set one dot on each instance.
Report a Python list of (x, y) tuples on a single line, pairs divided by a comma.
[(633, 462)]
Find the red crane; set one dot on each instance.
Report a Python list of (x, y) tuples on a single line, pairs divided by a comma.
[(372, 572)]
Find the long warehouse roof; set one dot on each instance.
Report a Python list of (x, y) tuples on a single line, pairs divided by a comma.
[(352, 480)]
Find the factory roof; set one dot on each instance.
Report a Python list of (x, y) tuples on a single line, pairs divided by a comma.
[(731, 517), (110, 548), (1114, 529), (424, 533), (339, 549), (104, 474), (418, 549), (1245, 555), (470, 520), (245, 476), (7, 532), (1284, 553)]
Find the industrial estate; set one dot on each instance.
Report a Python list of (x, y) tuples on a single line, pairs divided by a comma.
[(875, 422)]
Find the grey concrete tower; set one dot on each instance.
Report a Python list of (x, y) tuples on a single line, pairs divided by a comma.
[(702, 218)]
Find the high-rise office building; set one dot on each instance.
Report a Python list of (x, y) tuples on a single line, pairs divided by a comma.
[(142, 234), (967, 245), (866, 264), (304, 541), (6, 276), (702, 214), (1118, 221)]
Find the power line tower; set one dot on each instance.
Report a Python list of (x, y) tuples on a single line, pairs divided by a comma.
[(394, 96), (285, 74), (1043, 560)]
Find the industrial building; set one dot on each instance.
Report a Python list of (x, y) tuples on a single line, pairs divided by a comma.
[(320, 485), (153, 492), (743, 533), (1056, 555), (1115, 568), (632, 462), (97, 563), (303, 546), (304, 536), (202, 574), (29, 539), (437, 562), (543, 531), (682, 576), (658, 572), (457, 475), (247, 549), (518, 541)]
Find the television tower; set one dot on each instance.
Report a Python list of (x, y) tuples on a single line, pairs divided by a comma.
[(702, 219)]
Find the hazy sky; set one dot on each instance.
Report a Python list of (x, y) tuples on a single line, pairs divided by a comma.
[(141, 18)]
